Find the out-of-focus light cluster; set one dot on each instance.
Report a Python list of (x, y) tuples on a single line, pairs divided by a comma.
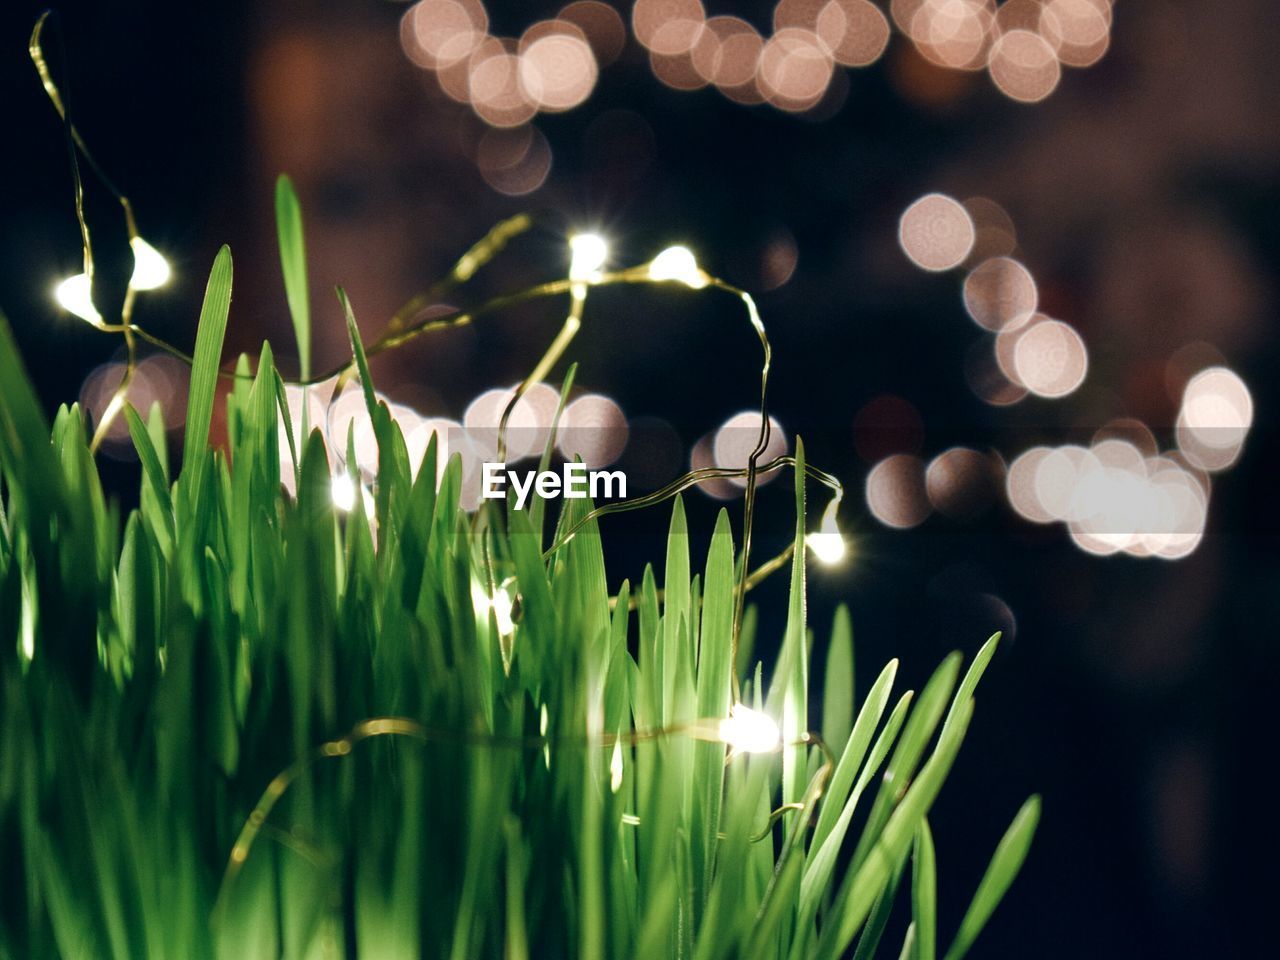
[(550, 68), (1021, 44), (902, 491), (1120, 494), (792, 68), (1113, 497), (554, 65), (592, 427), (1030, 352)]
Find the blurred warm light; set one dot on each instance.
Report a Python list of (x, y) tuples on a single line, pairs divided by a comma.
[(779, 260), (737, 438), (494, 86), (828, 543), (157, 379), (796, 13), (987, 380), (528, 427), (150, 268), (678, 264), (594, 428), (1050, 358), (677, 70), (999, 294), (794, 70), (455, 79), (936, 232), (515, 160), (601, 25), (730, 60), (959, 482), (588, 253), (1078, 30), (1132, 431), (75, 295), (750, 731), (557, 69), (952, 33), (702, 457), (855, 31), (1024, 66), (439, 33), (419, 438), (1117, 454), (1210, 457), (1022, 43), (1019, 15), (1057, 476), (348, 414), (667, 27), (1217, 409), (1215, 419), (895, 491), (903, 13), (1020, 485), (525, 434), (995, 235)]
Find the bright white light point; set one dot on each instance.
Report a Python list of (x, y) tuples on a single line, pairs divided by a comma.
[(615, 768), (150, 268), (750, 731), (679, 264), (75, 295), (343, 490), (500, 603), (827, 544), (589, 252)]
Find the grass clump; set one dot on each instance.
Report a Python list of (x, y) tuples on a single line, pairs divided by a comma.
[(238, 724)]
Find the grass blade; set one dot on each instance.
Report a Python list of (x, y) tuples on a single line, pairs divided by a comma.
[(1005, 864), (204, 368), (293, 264), (924, 894)]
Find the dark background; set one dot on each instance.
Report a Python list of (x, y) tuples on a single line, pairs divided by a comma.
[(1136, 695)]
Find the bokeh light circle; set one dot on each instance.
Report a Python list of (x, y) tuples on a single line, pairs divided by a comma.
[(936, 232)]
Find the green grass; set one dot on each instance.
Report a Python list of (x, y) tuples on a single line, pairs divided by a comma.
[(159, 671)]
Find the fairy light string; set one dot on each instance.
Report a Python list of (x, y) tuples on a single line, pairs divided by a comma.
[(144, 253), (745, 731)]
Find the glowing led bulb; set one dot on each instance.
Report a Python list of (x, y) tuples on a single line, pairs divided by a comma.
[(500, 603), (343, 490), (679, 264), (150, 268), (828, 543), (589, 252), (75, 295), (750, 731)]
